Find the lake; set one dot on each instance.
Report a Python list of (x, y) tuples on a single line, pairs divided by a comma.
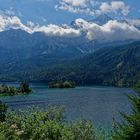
[(98, 104)]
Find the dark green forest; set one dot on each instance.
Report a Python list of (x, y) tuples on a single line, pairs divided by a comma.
[(6, 90), (62, 84), (115, 66)]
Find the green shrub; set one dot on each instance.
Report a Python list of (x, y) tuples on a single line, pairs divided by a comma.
[(84, 130), (44, 125), (3, 110), (130, 128)]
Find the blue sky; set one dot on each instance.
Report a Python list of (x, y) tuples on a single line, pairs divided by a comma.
[(47, 16), (52, 12)]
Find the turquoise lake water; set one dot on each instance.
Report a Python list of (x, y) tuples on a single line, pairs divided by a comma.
[(98, 104)]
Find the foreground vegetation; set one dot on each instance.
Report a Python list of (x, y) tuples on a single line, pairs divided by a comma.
[(62, 84), (50, 125), (6, 90), (130, 128)]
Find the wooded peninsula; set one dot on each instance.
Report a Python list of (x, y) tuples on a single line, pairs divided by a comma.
[(6, 90)]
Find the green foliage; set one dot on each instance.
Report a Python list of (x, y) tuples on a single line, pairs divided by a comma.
[(3, 109), (137, 85), (130, 129), (41, 125), (8, 90), (84, 130), (11, 90), (62, 84), (24, 87)]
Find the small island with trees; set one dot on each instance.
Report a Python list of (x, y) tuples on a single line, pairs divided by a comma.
[(62, 84), (6, 90)]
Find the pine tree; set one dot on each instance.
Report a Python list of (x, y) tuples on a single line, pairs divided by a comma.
[(3, 110), (130, 128)]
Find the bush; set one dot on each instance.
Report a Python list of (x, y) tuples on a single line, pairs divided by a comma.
[(11, 90), (62, 84), (84, 130), (3, 110), (130, 128), (40, 125)]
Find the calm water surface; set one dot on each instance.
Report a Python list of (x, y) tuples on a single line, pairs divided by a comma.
[(99, 104)]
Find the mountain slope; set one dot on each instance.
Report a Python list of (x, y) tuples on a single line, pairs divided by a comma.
[(117, 66), (109, 66), (18, 45)]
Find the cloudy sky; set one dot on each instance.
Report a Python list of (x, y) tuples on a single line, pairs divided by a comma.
[(65, 11), (53, 17)]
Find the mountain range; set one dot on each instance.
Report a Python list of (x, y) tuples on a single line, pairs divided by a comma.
[(19, 44), (37, 57)]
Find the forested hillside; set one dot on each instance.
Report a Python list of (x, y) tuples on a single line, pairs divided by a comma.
[(118, 65), (109, 66)]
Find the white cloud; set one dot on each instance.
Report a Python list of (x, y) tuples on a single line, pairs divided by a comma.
[(43, 19), (7, 22), (115, 6), (76, 2), (54, 30), (135, 22), (43, 0), (93, 7), (78, 6), (109, 32), (30, 24), (10, 11), (73, 9), (105, 7), (50, 30)]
